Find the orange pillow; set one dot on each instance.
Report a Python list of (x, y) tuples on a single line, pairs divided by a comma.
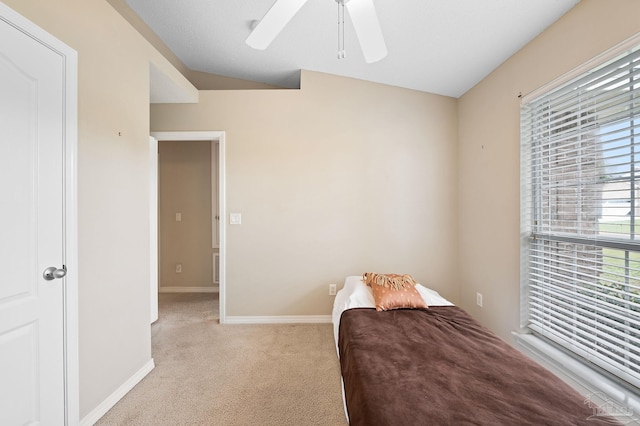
[(394, 291)]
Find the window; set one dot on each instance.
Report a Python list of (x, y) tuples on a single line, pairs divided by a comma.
[(581, 216)]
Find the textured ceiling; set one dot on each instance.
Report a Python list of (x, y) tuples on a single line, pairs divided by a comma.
[(437, 46)]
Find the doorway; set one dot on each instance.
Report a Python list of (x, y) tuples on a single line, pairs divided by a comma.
[(218, 236)]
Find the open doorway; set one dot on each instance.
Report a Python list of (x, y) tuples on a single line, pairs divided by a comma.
[(188, 216), (214, 144)]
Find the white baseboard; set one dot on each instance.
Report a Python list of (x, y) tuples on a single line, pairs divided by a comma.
[(188, 289), (280, 319), (116, 396)]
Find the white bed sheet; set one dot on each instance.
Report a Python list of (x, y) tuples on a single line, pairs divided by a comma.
[(356, 294)]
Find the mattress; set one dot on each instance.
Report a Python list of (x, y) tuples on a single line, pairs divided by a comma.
[(439, 366)]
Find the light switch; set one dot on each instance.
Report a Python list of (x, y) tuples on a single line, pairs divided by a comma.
[(178, 217), (235, 218)]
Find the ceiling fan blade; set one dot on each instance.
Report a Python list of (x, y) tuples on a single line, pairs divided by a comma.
[(273, 22), (365, 21)]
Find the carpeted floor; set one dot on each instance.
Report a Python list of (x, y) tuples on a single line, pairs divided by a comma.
[(212, 374)]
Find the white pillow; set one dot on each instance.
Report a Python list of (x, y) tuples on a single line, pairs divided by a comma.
[(360, 295), (432, 297), (356, 294)]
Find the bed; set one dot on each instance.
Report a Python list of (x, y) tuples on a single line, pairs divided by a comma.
[(438, 366)]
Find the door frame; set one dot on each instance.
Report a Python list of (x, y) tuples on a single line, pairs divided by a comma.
[(70, 225), (213, 137), (154, 183)]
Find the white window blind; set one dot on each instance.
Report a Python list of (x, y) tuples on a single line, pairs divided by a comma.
[(581, 216)]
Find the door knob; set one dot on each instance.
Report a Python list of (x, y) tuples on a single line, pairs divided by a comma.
[(51, 273)]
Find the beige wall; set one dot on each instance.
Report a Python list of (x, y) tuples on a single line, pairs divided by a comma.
[(185, 188), (113, 188), (335, 179), (488, 159)]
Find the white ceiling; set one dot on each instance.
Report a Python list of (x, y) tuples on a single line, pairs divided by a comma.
[(437, 46)]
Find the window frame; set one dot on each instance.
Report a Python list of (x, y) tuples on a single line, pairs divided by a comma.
[(530, 229)]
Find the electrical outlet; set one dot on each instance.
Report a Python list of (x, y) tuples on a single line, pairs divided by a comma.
[(332, 289), (178, 268), (479, 299)]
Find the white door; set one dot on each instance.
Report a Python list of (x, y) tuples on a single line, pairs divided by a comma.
[(32, 376)]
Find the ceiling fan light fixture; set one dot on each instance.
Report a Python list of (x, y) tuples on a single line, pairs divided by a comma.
[(363, 16)]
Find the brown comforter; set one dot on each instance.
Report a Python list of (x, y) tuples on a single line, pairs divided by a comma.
[(440, 367)]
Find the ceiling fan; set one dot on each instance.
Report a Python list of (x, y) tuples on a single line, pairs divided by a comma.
[(363, 16)]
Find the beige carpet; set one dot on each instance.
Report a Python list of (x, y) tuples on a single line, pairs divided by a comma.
[(212, 374)]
